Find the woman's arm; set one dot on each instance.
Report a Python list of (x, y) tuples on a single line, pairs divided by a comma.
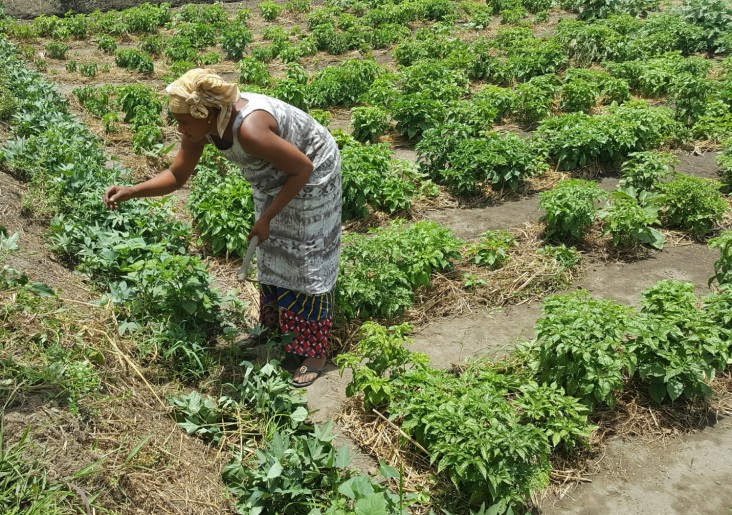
[(258, 136), (163, 183)]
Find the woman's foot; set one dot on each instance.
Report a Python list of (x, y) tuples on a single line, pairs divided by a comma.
[(309, 371)]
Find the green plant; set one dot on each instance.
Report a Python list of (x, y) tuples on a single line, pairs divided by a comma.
[(107, 44), (136, 254), (377, 360), (24, 485), (369, 123), (533, 101), (370, 180), (8, 103), (446, 413), (435, 80), (567, 257), (198, 35), (234, 40), (213, 14), (40, 64), (152, 44), (690, 95), (643, 172), (253, 71), (222, 206), (297, 473), (723, 265), (492, 249), (578, 95), (474, 434), (714, 16), (134, 60), (88, 69), (629, 223), (678, 347), (570, 208), (577, 139), (656, 76), (580, 345), (398, 259), (178, 48), (57, 50), (692, 204), (725, 163), (270, 10), (97, 100), (502, 160), (718, 307), (415, 113), (343, 84), (147, 17), (321, 116), (72, 66), (298, 6)]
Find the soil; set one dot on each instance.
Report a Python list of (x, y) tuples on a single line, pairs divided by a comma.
[(688, 475)]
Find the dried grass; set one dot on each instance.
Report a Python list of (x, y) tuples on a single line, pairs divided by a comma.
[(168, 473), (527, 274)]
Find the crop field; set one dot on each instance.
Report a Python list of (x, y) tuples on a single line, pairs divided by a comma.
[(534, 303)]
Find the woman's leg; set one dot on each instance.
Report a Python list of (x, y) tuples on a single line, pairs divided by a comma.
[(309, 318), (268, 307)]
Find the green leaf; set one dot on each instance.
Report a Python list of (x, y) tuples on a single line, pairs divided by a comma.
[(42, 289), (275, 470), (657, 391), (675, 389), (189, 306), (190, 427), (374, 504), (388, 471), (300, 414), (346, 488), (342, 458)]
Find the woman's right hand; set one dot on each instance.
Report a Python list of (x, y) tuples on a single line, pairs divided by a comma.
[(116, 194)]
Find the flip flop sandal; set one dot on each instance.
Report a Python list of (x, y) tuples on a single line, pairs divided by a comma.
[(307, 370)]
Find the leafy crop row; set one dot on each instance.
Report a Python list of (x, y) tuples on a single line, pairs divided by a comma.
[(395, 259), (648, 194), (491, 428), (221, 203), (674, 343), (298, 469), (137, 253), (490, 431), (141, 106), (575, 140)]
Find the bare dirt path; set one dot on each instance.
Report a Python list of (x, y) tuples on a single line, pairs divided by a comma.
[(687, 475)]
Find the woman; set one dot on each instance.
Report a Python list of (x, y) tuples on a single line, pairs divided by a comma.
[(294, 168)]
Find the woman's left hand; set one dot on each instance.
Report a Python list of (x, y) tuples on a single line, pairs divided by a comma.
[(261, 229)]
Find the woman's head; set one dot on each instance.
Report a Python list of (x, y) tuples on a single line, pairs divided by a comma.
[(201, 101)]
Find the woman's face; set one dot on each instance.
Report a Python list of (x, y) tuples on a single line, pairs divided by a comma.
[(193, 129)]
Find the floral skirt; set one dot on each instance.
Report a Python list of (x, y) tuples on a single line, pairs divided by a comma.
[(308, 317)]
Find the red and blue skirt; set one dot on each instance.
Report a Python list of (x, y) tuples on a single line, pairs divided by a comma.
[(308, 317)]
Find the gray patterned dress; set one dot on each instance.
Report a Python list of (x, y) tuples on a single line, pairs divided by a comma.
[(302, 251)]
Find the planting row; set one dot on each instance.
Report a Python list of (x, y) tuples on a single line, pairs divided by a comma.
[(492, 428), (138, 253)]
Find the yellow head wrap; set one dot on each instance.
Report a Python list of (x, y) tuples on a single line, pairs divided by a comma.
[(199, 89)]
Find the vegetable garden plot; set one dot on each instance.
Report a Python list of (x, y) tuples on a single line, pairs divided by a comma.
[(446, 93)]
